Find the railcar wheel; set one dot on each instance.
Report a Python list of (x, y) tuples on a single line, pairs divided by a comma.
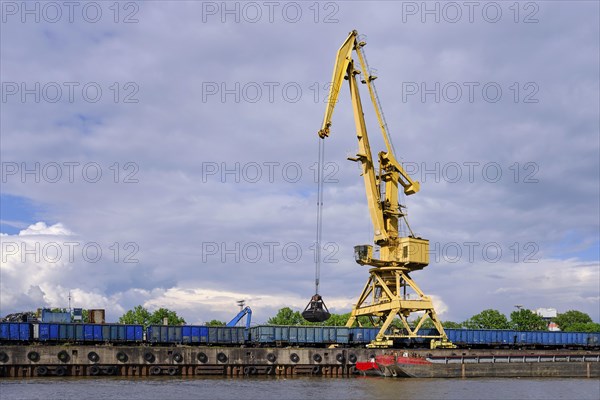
[(271, 357), (203, 358), (294, 357), (222, 357), (317, 358), (177, 357), (41, 371), (3, 357), (339, 357), (63, 356), (93, 356), (60, 371), (149, 357), (173, 371), (33, 356), (121, 356), (352, 358)]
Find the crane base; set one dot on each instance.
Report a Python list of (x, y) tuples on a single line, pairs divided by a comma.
[(380, 344), (442, 344)]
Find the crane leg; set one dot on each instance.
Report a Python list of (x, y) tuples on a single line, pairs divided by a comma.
[(384, 297)]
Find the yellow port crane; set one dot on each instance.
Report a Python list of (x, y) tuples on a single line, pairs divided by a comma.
[(389, 291)]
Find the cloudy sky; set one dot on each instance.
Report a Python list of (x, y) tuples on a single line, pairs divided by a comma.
[(163, 153)]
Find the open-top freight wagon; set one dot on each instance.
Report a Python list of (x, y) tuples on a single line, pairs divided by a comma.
[(278, 335)]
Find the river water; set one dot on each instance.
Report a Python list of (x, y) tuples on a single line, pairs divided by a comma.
[(359, 388)]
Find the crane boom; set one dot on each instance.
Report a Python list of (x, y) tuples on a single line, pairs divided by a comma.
[(245, 311), (342, 59), (344, 69), (385, 295)]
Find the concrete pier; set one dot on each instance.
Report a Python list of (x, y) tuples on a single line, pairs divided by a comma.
[(25, 361), (32, 361)]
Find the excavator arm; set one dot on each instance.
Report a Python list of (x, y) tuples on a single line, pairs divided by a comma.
[(247, 311)]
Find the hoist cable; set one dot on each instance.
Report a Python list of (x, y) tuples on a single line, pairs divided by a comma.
[(320, 181)]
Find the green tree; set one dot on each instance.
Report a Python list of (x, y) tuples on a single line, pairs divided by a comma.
[(427, 323), (286, 316), (141, 316), (571, 317), (215, 322), (337, 319), (159, 315), (527, 320), (365, 322), (583, 327), (487, 319), (451, 325), (85, 316)]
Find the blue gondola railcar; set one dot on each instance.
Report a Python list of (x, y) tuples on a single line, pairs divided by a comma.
[(192, 334), (358, 335), (122, 333), (198, 335), (227, 335), (269, 334), (592, 339), (513, 338), (164, 334), (16, 331), (88, 333), (299, 335), (337, 334), (54, 332)]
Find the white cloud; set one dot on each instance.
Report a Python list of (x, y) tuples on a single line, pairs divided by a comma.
[(156, 203), (41, 228)]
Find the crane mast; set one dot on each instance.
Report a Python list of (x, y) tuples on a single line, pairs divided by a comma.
[(389, 291)]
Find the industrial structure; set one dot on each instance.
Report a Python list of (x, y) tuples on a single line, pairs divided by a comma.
[(29, 349), (389, 291)]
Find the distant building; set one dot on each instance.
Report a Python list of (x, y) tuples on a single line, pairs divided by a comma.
[(547, 314), (553, 327)]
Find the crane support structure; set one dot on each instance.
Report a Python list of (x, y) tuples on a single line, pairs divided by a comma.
[(389, 291)]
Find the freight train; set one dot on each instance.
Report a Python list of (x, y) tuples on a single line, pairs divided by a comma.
[(276, 335)]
